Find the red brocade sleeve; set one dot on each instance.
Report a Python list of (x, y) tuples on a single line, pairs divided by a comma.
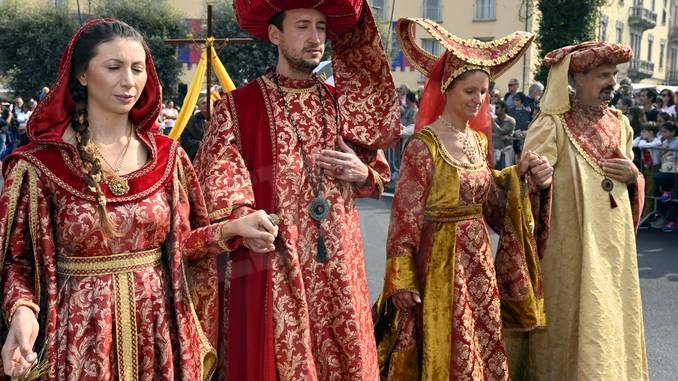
[(19, 278), (221, 170), (204, 239), (407, 219), (379, 174)]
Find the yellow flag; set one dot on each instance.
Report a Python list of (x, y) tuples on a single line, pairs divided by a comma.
[(196, 86)]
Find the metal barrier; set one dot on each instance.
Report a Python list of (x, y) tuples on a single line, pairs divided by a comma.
[(670, 169)]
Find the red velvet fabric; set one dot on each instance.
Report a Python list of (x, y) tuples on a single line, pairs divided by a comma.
[(250, 333)]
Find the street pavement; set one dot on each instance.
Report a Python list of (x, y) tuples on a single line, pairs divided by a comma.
[(658, 269)]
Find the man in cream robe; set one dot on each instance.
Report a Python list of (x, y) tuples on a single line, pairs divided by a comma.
[(590, 271)]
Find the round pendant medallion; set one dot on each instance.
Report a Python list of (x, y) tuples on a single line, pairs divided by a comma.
[(118, 185), (319, 208), (607, 185)]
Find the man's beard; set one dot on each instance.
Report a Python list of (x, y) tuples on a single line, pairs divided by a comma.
[(606, 94), (298, 63)]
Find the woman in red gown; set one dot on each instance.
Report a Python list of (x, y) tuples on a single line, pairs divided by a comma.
[(109, 261)]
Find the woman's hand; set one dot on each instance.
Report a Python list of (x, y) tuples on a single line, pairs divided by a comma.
[(539, 167), (405, 299), (256, 229), (17, 353)]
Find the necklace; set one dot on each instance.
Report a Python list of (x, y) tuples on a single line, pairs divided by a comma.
[(462, 135), (319, 207), (117, 184)]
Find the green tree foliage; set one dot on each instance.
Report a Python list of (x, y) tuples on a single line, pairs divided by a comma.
[(157, 21), (244, 62), (32, 40), (565, 22)]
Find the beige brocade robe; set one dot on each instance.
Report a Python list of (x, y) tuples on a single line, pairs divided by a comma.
[(590, 270)]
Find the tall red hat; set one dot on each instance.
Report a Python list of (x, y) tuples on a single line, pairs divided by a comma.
[(493, 57), (253, 15)]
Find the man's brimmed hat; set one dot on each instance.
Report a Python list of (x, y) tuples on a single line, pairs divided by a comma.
[(461, 55), (253, 15)]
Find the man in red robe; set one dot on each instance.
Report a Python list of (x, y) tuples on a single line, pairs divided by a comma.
[(301, 149)]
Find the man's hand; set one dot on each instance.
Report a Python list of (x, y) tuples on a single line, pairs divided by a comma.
[(405, 299), (344, 164), (620, 169)]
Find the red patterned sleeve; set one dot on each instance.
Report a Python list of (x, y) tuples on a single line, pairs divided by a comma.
[(18, 276), (221, 171), (205, 239), (378, 175), (407, 218)]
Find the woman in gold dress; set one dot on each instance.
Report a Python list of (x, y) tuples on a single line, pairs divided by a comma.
[(452, 305)]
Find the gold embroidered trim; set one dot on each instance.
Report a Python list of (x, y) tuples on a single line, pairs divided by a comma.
[(57, 180), (377, 180), (443, 37), (234, 117), (293, 90), (34, 223), (22, 303), (125, 326), (138, 173), (447, 156), (271, 126), (581, 151), (461, 71), (108, 264), (221, 213)]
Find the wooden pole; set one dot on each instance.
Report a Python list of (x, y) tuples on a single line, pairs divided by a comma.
[(208, 53)]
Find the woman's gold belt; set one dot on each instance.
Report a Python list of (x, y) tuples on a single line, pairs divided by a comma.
[(107, 264), (460, 213), (121, 267)]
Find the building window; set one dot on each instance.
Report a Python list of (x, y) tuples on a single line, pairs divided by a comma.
[(620, 31), (379, 7), (650, 42), (431, 45), (653, 3), (602, 30), (485, 10), (432, 10), (635, 43), (637, 3), (662, 47)]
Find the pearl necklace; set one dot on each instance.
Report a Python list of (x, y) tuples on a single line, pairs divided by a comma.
[(462, 135)]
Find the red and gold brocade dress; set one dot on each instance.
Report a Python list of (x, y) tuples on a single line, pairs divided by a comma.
[(439, 246), (322, 328), (121, 307)]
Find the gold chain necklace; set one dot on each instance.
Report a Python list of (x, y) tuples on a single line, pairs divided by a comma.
[(117, 184), (467, 148)]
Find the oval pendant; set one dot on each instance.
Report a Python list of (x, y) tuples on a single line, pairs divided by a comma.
[(118, 185), (319, 208), (607, 185)]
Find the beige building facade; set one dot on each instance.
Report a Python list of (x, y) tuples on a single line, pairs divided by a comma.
[(480, 19), (650, 27), (644, 25)]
